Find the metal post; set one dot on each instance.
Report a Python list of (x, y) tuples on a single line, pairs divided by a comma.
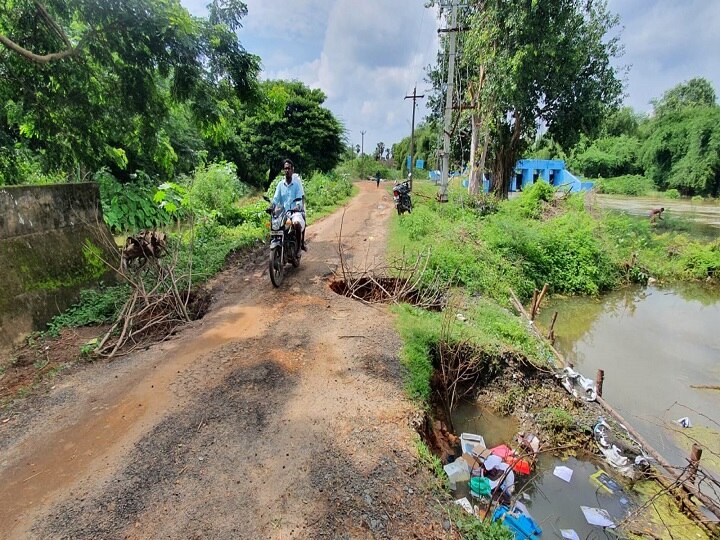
[(443, 193)]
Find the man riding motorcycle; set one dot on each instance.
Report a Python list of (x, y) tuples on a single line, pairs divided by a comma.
[(290, 194)]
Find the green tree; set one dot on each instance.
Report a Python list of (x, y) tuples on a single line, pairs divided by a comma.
[(544, 62), (425, 147), (621, 121), (111, 71), (697, 92), (682, 150), (379, 151), (291, 123), (608, 157)]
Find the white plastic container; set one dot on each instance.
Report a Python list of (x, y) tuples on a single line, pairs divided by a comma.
[(469, 440), (457, 471)]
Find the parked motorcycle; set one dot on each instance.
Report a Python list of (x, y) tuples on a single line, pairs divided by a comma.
[(401, 195), (283, 244)]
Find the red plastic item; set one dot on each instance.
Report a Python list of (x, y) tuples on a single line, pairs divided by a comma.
[(507, 454)]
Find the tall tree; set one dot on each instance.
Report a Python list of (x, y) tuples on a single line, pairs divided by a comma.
[(379, 151), (697, 92), (544, 63), (291, 123), (107, 101)]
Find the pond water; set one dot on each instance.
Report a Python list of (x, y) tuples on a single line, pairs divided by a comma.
[(706, 214), (654, 344), (553, 503)]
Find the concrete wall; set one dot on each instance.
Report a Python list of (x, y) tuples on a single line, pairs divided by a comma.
[(47, 238)]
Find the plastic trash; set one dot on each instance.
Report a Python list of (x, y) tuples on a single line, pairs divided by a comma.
[(509, 456), (465, 504), (571, 378), (521, 525), (569, 534), (597, 516), (468, 441), (684, 422), (480, 486), (457, 471), (564, 473), (603, 480)]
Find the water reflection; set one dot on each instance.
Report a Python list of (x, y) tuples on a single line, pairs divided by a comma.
[(553, 503), (653, 343)]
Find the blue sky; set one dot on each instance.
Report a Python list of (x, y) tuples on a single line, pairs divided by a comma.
[(366, 55)]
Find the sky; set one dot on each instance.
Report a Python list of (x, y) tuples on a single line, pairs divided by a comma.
[(367, 55)]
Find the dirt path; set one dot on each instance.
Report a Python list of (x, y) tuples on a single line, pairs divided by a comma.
[(279, 415)]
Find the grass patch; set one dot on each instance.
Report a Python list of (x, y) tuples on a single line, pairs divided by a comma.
[(630, 184), (662, 518), (432, 462), (487, 327)]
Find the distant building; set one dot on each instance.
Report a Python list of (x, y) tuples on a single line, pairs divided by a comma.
[(552, 171)]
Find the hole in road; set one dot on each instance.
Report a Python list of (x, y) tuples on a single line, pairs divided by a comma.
[(386, 290)]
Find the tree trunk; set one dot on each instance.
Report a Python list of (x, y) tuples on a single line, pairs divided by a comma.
[(473, 187), (505, 157), (483, 156)]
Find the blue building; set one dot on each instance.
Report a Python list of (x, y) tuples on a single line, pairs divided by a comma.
[(552, 171)]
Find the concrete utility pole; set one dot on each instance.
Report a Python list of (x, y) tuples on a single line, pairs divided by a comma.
[(443, 191), (414, 97), (362, 142)]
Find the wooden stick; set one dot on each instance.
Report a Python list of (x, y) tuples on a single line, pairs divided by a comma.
[(552, 326), (536, 303)]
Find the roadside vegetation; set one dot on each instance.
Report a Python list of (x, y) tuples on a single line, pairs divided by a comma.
[(484, 249)]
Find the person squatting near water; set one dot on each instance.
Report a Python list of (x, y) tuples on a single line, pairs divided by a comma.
[(291, 195), (655, 214)]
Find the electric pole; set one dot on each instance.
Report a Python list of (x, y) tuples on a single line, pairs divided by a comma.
[(442, 193), (414, 97), (362, 142)]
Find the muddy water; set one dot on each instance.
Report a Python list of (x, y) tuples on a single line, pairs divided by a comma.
[(704, 212), (553, 503), (654, 344)]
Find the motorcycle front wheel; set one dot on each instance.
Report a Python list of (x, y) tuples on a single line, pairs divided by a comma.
[(276, 267)]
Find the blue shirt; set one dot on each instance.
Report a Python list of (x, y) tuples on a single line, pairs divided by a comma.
[(285, 194)]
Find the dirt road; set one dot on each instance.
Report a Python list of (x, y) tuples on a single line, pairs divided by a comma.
[(279, 415)]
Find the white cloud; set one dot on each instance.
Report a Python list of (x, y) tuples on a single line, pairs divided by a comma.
[(367, 55), (374, 53), (668, 42)]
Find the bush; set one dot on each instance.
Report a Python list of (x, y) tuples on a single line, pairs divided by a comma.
[(215, 189), (672, 193), (129, 207), (609, 156), (632, 184), (365, 166), (96, 306), (701, 261), (556, 420)]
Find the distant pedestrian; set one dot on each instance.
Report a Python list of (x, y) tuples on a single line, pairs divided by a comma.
[(655, 214), (377, 179)]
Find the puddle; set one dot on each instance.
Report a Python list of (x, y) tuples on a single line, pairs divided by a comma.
[(553, 503)]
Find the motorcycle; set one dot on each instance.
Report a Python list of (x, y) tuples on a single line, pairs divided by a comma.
[(283, 244), (401, 195)]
